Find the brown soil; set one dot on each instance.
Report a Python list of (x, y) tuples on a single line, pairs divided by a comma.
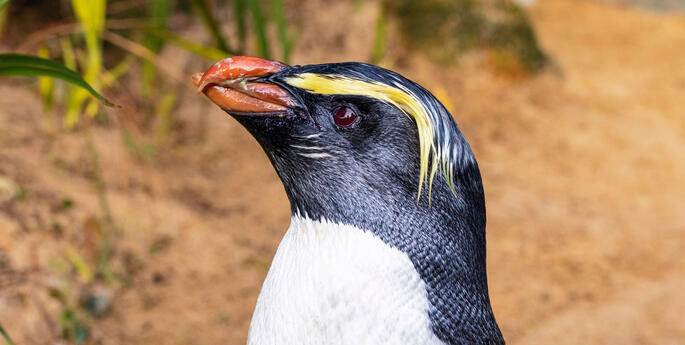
[(583, 170)]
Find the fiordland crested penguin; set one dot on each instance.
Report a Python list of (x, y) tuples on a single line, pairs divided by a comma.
[(387, 239)]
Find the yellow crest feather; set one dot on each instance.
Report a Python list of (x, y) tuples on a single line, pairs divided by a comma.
[(395, 95)]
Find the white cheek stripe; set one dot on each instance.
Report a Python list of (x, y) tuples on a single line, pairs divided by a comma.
[(311, 136), (336, 284), (311, 147), (315, 155)]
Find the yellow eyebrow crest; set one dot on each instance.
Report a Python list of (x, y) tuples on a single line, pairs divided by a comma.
[(400, 97)]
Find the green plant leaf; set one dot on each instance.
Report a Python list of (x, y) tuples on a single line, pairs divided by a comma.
[(80, 265), (32, 66), (260, 29), (158, 13), (46, 84), (211, 24), (241, 27), (380, 37), (8, 340), (3, 15), (68, 55), (279, 16), (111, 76), (91, 17)]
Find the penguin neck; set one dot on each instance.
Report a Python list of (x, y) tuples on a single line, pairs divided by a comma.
[(444, 240), (449, 252), (331, 283)]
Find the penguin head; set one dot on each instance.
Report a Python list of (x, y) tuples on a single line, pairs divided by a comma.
[(348, 140)]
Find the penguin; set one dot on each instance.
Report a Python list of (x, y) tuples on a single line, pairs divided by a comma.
[(386, 243)]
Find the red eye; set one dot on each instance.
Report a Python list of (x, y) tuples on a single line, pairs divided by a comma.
[(344, 117)]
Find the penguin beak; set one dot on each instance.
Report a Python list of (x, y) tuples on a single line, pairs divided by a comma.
[(237, 85)]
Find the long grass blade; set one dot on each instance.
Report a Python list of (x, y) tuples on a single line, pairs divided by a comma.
[(72, 104), (380, 37), (68, 55), (139, 50), (158, 13), (79, 263), (211, 24), (33, 66), (32, 71), (31, 61), (279, 16), (241, 27), (111, 76), (46, 84), (91, 16), (6, 337), (259, 24), (3, 16)]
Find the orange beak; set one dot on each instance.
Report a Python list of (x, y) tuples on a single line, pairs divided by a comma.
[(230, 84)]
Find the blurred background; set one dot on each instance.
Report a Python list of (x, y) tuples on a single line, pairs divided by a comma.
[(155, 222)]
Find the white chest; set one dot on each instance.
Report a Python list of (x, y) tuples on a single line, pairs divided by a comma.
[(337, 284)]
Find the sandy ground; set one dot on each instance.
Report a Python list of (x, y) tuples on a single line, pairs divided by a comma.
[(583, 170)]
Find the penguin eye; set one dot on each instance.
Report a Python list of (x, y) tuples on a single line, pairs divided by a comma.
[(344, 117)]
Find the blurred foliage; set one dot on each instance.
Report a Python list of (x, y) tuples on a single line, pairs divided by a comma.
[(46, 84), (380, 37), (281, 21), (259, 28), (108, 40), (3, 14), (446, 29), (81, 283), (27, 65), (210, 23), (158, 14), (91, 16)]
